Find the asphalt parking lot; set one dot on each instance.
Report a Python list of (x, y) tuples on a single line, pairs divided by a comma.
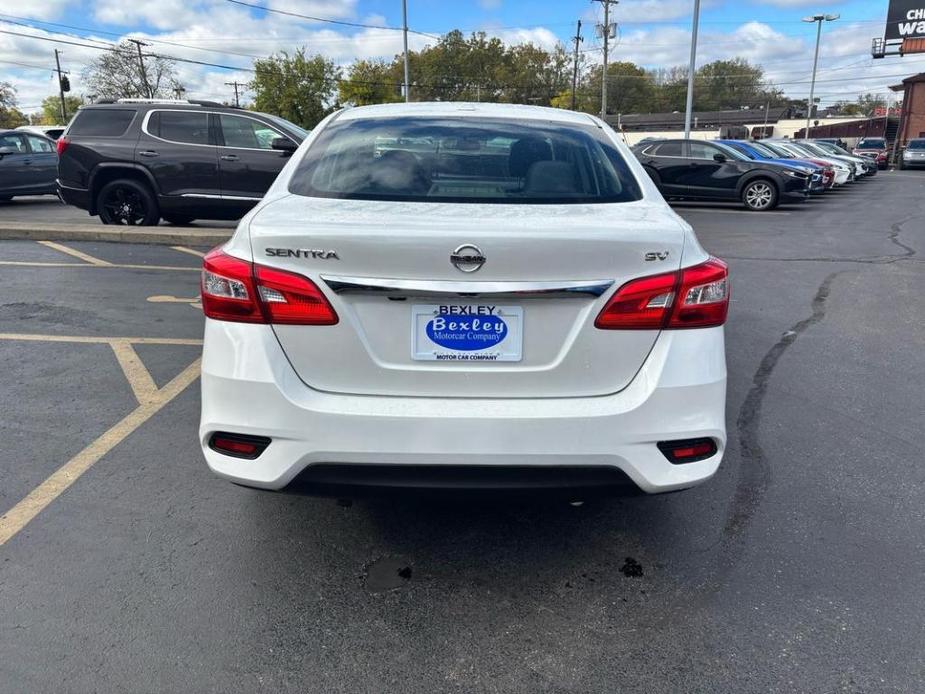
[(126, 566), (48, 209)]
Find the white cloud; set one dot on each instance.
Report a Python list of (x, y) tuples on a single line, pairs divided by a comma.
[(45, 9)]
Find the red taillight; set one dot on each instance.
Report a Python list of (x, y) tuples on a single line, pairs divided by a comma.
[(61, 144), (695, 297), (703, 300), (642, 304), (237, 290), (292, 299)]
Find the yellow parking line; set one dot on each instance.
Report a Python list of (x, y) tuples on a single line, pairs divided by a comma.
[(138, 376), (184, 249), (75, 253), (89, 339), (39, 498), (28, 263)]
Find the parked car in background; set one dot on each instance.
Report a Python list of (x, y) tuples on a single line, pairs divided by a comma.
[(783, 148), (866, 166), (875, 148), (136, 161), (28, 164), (52, 132), (837, 141), (856, 170), (821, 178), (914, 154), (486, 244), (698, 170)]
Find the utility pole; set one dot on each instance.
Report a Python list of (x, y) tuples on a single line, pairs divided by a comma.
[(818, 19), (236, 84), (61, 89), (577, 39), (606, 35), (404, 31), (689, 110), (141, 63)]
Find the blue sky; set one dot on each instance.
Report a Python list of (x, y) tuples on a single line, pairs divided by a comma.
[(655, 33)]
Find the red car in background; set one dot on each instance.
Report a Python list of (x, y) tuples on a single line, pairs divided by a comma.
[(874, 148)]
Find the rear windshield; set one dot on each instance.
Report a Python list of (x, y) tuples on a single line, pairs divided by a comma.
[(916, 144), (465, 160), (874, 143), (105, 122)]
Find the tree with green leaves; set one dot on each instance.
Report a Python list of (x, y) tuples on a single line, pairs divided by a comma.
[(300, 88), (118, 74), (733, 84), (51, 109), (372, 82), (10, 116), (630, 89)]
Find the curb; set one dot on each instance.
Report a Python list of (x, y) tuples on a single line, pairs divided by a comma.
[(164, 236)]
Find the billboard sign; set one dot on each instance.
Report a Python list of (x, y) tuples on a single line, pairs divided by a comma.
[(905, 20)]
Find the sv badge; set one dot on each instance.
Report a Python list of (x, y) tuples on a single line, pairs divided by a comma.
[(656, 255)]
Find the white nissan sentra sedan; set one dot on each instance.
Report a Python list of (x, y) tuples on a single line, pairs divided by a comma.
[(463, 295)]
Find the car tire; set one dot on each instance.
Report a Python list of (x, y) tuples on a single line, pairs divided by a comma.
[(760, 195), (127, 202), (178, 220)]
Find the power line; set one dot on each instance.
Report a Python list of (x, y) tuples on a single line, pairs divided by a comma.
[(328, 21)]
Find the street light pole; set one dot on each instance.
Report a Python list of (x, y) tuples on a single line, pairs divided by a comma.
[(689, 109), (404, 16), (818, 19)]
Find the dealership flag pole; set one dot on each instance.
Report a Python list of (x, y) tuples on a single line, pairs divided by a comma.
[(690, 72)]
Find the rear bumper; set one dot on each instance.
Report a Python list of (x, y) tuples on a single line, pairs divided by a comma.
[(77, 197), (248, 387)]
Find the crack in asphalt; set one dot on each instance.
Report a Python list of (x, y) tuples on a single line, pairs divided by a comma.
[(895, 230), (754, 471)]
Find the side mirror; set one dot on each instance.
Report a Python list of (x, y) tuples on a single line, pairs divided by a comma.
[(720, 157), (283, 144), (6, 150)]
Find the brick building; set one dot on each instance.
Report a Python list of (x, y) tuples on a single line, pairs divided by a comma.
[(913, 118)]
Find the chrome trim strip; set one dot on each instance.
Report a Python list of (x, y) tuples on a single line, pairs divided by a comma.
[(340, 284), (147, 117), (212, 196)]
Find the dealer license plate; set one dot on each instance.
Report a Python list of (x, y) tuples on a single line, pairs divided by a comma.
[(466, 332)]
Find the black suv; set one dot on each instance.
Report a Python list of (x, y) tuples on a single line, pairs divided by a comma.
[(697, 170), (136, 161)]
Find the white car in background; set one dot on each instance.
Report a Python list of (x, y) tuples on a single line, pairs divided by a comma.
[(463, 295), (844, 172)]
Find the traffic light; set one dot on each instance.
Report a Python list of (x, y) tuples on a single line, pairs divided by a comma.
[(65, 84)]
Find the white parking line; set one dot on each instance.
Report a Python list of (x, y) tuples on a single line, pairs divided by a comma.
[(191, 251), (73, 252)]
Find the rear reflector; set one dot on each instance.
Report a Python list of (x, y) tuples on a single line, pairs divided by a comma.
[(695, 297), (689, 450), (240, 291), (238, 445)]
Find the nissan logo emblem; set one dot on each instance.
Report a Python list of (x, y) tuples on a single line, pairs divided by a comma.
[(467, 258)]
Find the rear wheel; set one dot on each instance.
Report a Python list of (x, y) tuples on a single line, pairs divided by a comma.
[(127, 202), (760, 195), (178, 219)]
